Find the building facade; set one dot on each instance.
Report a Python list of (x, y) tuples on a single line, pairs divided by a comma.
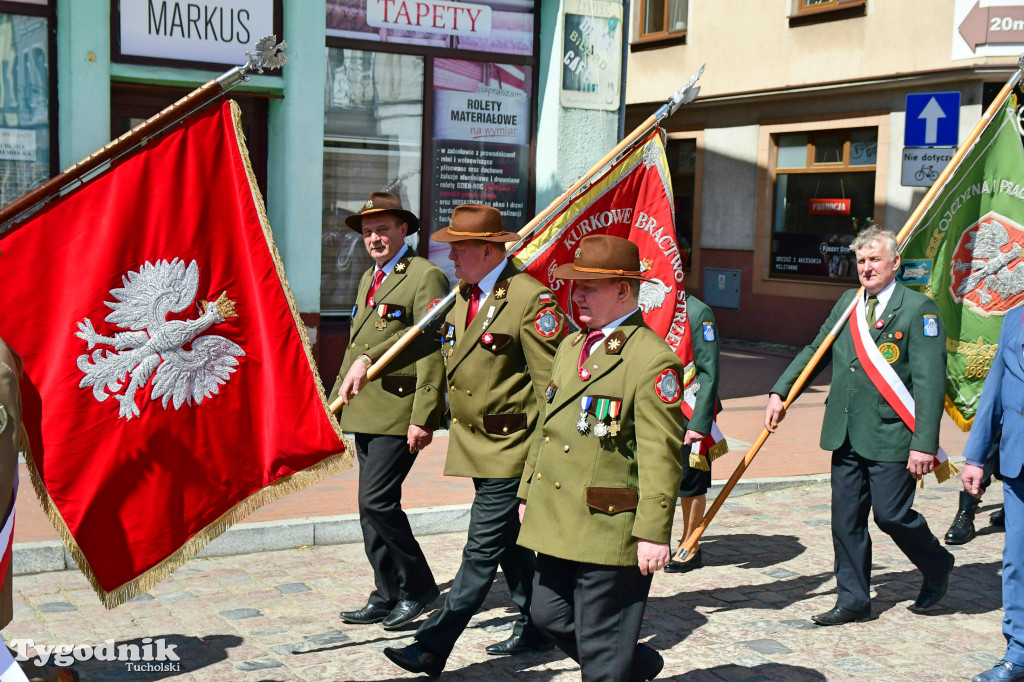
[(804, 134), (440, 102)]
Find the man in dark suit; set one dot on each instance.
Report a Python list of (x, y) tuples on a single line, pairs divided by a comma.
[(997, 433), (600, 484), (393, 417), (498, 341), (876, 456)]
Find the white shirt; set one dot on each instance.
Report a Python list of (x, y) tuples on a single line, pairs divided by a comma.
[(489, 280), (611, 326), (883, 297)]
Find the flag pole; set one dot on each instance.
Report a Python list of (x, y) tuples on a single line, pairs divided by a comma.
[(682, 96), (904, 233), (267, 55)]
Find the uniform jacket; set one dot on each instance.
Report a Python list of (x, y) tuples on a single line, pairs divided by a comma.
[(705, 358), (497, 375), (10, 442), (1000, 415), (411, 388), (854, 407), (590, 499)]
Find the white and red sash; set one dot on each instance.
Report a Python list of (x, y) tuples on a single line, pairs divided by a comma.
[(711, 447), (888, 383)]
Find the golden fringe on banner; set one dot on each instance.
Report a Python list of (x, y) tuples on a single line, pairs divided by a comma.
[(275, 491), (703, 462), (962, 422)]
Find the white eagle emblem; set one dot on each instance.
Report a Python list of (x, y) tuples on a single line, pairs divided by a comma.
[(156, 344), (990, 266), (652, 290)]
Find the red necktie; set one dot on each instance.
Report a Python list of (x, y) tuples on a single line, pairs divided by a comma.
[(378, 277), (593, 336), (474, 303)]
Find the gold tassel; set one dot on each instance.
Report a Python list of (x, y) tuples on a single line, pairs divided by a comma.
[(718, 449), (698, 462), (958, 418), (945, 471)]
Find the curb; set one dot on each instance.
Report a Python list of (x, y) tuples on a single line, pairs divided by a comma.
[(271, 536)]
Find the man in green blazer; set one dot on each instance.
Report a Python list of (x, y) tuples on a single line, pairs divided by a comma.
[(497, 342), (876, 457), (600, 484), (696, 481), (393, 417)]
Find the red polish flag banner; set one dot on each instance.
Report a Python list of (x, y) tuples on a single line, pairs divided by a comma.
[(168, 385), (633, 200)]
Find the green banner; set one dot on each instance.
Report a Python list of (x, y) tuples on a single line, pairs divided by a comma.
[(966, 254)]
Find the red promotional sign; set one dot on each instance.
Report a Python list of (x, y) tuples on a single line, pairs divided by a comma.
[(829, 207), (167, 387)]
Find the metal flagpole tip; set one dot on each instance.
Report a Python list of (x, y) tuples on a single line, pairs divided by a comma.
[(683, 555), (1020, 62), (687, 93), (269, 55)]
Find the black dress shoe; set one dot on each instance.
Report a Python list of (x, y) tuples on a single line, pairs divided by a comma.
[(416, 658), (932, 591), (1003, 671), (647, 664), (962, 529), (685, 566), (840, 616), (998, 517), (517, 644), (408, 610), (371, 613)]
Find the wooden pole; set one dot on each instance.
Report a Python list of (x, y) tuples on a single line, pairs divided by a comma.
[(801, 380)]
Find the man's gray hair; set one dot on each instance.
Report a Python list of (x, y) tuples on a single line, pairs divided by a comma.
[(876, 234)]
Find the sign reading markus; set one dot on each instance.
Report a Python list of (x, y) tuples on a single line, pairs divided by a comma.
[(215, 32), (430, 16)]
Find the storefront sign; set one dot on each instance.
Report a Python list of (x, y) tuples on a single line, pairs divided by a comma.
[(592, 54), (829, 207), (215, 32), (449, 18), (481, 145), (17, 145)]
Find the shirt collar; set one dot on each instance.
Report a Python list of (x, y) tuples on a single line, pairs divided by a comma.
[(614, 324), (883, 297), (488, 281), (390, 265)]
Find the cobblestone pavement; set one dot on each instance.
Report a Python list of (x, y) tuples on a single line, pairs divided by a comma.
[(768, 567)]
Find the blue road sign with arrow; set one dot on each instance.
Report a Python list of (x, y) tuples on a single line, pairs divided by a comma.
[(933, 120)]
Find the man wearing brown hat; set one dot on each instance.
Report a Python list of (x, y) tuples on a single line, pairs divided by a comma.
[(498, 341), (599, 489), (393, 417)]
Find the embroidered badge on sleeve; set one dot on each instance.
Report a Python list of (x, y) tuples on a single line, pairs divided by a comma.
[(546, 323), (709, 331), (667, 386), (931, 325)]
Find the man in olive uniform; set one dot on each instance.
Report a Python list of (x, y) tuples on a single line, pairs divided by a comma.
[(393, 417), (498, 341), (876, 457), (599, 487), (696, 480)]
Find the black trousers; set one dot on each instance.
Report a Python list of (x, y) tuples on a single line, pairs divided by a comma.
[(593, 613), (858, 484), (400, 570), (491, 542)]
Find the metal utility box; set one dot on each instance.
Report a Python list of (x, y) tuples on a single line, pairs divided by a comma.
[(722, 288)]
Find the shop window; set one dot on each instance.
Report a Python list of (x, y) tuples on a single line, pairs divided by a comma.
[(25, 88), (663, 18), (373, 127), (835, 8), (824, 195), (682, 163)]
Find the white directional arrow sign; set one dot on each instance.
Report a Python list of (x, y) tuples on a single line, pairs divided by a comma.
[(931, 114)]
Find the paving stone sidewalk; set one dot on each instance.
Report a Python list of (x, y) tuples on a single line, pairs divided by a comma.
[(768, 567)]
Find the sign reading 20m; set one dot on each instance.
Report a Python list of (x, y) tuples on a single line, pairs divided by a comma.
[(193, 31)]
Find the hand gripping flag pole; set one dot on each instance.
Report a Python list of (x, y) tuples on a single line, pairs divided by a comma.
[(267, 55), (908, 227), (682, 96)]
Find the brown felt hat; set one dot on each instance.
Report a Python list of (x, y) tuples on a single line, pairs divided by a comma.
[(474, 221), (383, 202), (602, 256)]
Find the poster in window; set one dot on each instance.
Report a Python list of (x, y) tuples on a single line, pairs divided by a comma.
[(502, 26), (591, 54), (481, 143)]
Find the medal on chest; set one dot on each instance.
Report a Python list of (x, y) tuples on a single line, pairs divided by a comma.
[(582, 425)]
